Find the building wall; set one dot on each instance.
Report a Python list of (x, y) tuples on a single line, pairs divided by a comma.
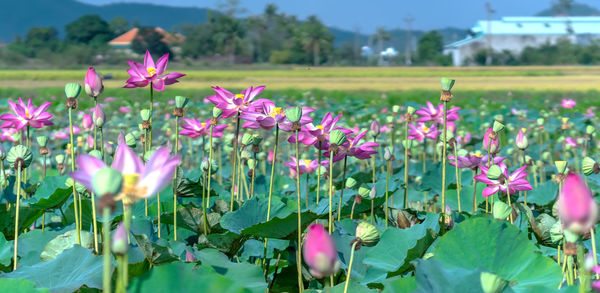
[(464, 54)]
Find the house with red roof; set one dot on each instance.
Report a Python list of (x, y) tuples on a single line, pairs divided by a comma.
[(123, 42)]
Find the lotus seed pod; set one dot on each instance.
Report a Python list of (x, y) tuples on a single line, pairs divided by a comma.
[(497, 126), (337, 137), (42, 141), (410, 110), (364, 192), (590, 129), (60, 159), (491, 283), (216, 112), (395, 108), (546, 156), (247, 139), (96, 154), (294, 114), (561, 166), (246, 155), (19, 153), (72, 90), (130, 140), (351, 182), (447, 83), (389, 119), (80, 188), (498, 118), (119, 241), (588, 165), (145, 114), (367, 233), (494, 172), (251, 164), (564, 120), (181, 101), (501, 210), (256, 139), (107, 181), (540, 121)]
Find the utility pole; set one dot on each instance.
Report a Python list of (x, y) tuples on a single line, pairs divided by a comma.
[(488, 35), (407, 58), (356, 46)]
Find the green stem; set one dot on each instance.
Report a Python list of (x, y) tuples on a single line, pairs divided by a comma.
[(149, 143), (317, 173), (343, 187), (406, 162), (106, 251), (96, 128), (458, 184), (27, 144), (18, 182), (271, 180), (175, 180), (330, 218), (444, 158), (387, 182), (350, 267), (474, 191), (94, 223), (508, 196), (234, 161), (77, 216), (210, 151), (299, 261), (594, 249), (204, 206)]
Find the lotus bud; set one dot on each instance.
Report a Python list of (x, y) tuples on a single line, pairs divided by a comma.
[(372, 193), (119, 240), (561, 166), (497, 126), (294, 114), (180, 101), (130, 140), (109, 148), (351, 182), (364, 192), (368, 234), (375, 128), (42, 141), (590, 129), (546, 156), (319, 252), (337, 137), (521, 140), (491, 283), (494, 172), (98, 116), (216, 112), (145, 114), (501, 210), (410, 110), (388, 154), (2, 153), (189, 257), (19, 155), (577, 208), (93, 83), (247, 139), (499, 117), (107, 181), (589, 166), (72, 90)]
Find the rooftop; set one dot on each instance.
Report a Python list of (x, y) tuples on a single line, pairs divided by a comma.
[(128, 37)]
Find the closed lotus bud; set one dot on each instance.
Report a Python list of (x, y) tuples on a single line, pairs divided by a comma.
[(410, 110), (448, 221), (60, 159), (375, 128), (490, 144), (2, 153), (93, 83), (497, 126), (447, 83), (372, 193), (388, 153), (337, 137), (216, 112), (590, 129), (364, 192), (130, 140), (72, 90), (561, 166), (19, 154), (98, 116), (189, 257), (491, 283), (367, 233), (180, 101), (42, 141), (521, 140), (145, 114), (107, 181), (577, 208), (109, 148), (494, 172), (119, 241), (351, 182), (294, 114), (247, 139), (395, 108), (501, 210), (588, 166), (319, 252)]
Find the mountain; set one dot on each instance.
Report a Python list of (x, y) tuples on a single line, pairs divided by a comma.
[(575, 9), (19, 16)]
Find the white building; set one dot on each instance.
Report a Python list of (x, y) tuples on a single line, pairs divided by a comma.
[(516, 33)]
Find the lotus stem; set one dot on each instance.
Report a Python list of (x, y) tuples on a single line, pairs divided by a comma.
[(175, 179), (350, 266), (210, 151), (149, 143), (75, 210), (387, 183), (508, 197), (106, 251), (94, 223), (271, 181), (204, 206), (594, 249), (18, 182), (299, 254), (330, 219), (444, 157), (475, 191), (343, 187), (96, 128), (234, 160), (406, 162), (317, 173), (458, 183)]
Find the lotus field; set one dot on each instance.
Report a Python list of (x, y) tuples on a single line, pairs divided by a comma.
[(243, 191)]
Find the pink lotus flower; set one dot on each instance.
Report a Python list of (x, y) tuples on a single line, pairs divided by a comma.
[(518, 112), (7, 134), (26, 115), (576, 206), (124, 109), (436, 114), (139, 181), (194, 128), (59, 134), (305, 166), (515, 182), (268, 116), (568, 103), (270, 157), (570, 142), (495, 143), (86, 122), (150, 73), (352, 148), (312, 135), (421, 131), (473, 161), (236, 104), (109, 99), (93, 83), (590, 112), (319, 252), (464, 139)]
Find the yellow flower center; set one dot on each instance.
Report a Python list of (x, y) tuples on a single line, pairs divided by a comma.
[(307, 162), (425, 128), (320, 127), (239, 96), (27, 114), (276, 111), (130, 192), (478, 154), (565, 119), (524, 129), (203, 124), (151, 71)]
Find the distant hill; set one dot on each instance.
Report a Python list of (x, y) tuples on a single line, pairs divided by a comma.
[(576, 9), (19, 15)]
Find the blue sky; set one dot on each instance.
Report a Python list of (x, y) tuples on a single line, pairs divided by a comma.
[(368, 15)]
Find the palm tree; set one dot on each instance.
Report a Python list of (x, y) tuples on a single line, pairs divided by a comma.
[(314, 37)]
